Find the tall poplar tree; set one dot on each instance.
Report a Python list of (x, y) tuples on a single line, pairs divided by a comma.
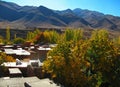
[(8, 34)]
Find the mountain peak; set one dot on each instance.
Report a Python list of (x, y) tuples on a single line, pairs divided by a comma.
[(45, 11), (41, 6)]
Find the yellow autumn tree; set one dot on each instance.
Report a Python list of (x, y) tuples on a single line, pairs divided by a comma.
[(103, 56), (67, 64), (5, 58), (93, 62)]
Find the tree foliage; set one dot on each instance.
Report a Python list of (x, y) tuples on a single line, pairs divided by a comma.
[(85, 63), (7, 41), (5, 58), (73, 35), (32, 36), (1, 39), (43, 37), (18, 40), (51, 36), (103, 55), (8, 34)]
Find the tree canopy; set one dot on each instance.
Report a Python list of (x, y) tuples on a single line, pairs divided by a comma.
[(92, 62)]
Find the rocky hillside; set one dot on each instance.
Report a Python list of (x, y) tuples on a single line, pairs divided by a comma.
[(24, 17)]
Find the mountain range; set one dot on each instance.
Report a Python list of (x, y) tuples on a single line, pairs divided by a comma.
[(24, 17)]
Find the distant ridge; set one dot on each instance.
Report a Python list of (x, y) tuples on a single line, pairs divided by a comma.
[(22, 17)]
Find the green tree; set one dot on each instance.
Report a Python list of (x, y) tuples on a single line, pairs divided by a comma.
[(18, 40), (1, 39), (72, 35), (51, 36), (69, 35), (33, 36), (8, 34)]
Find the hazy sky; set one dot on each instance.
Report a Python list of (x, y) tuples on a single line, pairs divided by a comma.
[(104, 6)]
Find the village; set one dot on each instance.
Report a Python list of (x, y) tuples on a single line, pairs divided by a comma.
[(26, 71)]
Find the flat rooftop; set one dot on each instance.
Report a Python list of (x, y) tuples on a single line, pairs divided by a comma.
[(44, 49), (17, 52), (14, 71), (31, 81), (13, 64)]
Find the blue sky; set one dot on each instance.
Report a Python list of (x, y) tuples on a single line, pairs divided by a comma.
[(104, 6)]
